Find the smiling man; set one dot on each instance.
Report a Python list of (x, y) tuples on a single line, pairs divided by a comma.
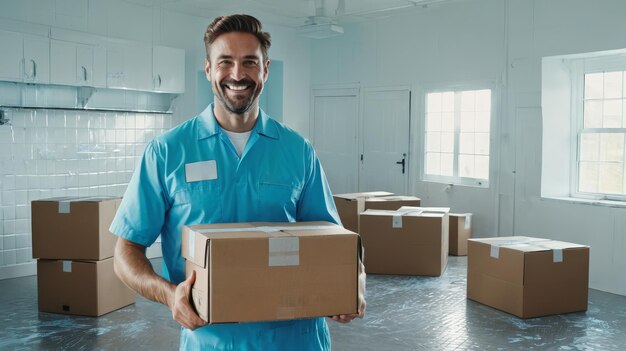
[(232, 163)]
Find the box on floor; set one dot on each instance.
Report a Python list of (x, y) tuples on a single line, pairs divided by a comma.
[(460, 231), (249, 272), (72, 241), (88, 288), (350, 205), (528, 277), (409, 241)]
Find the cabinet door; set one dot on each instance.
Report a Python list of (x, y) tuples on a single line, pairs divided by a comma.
[(99, 67), (169, 69), (129, 66), (11, 56), (84, 65), (36, 59), (62, 62)]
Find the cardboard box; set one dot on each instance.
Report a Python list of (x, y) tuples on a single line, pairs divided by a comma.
[(391, 203), (248, 272), (409, 241), (350, 205), (460, 231), (74, 228), (88, 288), (528, 277)]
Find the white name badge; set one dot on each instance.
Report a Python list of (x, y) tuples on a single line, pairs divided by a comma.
[(197, 171)]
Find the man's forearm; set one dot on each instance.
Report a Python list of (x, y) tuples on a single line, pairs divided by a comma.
[(134, 269)]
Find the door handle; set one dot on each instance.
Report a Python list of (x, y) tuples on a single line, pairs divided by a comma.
[(403, 162)]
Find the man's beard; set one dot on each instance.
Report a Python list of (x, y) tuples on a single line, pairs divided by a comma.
[(240, 103)]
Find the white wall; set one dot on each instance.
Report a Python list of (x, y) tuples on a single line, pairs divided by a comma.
[(433, 48), (29, 175), (501, 42), (544, 28)]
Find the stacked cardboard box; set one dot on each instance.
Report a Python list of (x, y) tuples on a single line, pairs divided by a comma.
[(74, 248), (460, 231), (350, 205), (528, 277), (410, 240), (249, 272)]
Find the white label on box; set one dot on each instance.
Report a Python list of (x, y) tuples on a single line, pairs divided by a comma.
[(192, 243), (495, 251), (284, 251), (197, 171), (64, 206), (67, 266), (468, 221), (557, 255), (396, 221)]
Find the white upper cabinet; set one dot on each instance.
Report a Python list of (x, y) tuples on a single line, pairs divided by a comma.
[(129, 66), (36, 59), (77, 64), (168, 69), (24, 58)]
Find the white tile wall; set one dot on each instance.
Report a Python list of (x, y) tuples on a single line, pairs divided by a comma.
[(46, 153)]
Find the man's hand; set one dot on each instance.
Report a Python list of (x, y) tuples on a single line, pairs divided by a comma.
[(134, 269), (344, 318), (182, 311), (347, 318)]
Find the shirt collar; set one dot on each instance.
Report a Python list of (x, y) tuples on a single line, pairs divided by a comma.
[(209, 127)]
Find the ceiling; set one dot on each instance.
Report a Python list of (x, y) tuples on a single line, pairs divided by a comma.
[(294, 13)]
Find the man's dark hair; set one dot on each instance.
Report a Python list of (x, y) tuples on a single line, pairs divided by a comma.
[(237, 23)]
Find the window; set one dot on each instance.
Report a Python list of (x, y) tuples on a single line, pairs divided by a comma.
[(583, 107), (601, 135), (456, 138)]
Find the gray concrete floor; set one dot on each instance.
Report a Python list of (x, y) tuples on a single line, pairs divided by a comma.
[(403, 313)]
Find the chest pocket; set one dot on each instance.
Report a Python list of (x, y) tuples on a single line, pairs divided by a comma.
[(199, 201), (277, 201)]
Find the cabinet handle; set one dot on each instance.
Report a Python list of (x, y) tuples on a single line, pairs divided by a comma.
[(84, 73), (34, 68), (159, 80)]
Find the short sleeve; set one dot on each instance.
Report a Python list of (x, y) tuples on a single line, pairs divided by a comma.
[(316, 201), (141, 214)]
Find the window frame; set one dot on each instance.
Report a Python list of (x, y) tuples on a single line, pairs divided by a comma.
[(457, 179), (578, 69)]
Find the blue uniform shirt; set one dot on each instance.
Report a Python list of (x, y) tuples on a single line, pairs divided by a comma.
[(192, 174)]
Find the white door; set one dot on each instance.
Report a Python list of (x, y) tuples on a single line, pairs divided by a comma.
[(385, 140), (334, 134)]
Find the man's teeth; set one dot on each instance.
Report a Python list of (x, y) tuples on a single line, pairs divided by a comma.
[(237, 87)]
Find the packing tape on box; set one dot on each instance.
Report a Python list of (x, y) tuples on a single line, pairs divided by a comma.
[(283, 251), (396, 220), (557, 254), (192, 243), (468, 221), (64, 203), (67, 266)]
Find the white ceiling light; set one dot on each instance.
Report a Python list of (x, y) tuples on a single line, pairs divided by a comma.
[(320, 26), (320, 30)]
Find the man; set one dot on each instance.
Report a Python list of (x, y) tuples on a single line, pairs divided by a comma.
[(232, 163)]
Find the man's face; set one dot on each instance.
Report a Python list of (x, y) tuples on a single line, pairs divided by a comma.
[(236, 70)]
